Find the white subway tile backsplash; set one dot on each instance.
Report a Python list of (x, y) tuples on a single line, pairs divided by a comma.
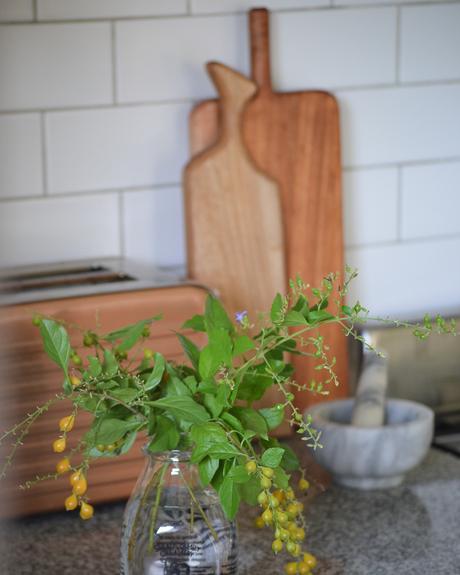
[(386, 126), (81, 9), (20, 156), (54, 65), (430, 42), (326, 48), (430, 200), (16, 10), (213, 6), (116, 147), (370, 206), (374, 2), (58, 229), (153, 226), (165, 59), (407, 279)]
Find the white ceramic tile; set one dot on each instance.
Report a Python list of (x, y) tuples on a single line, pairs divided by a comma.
[(58, 229), (81, 9), (431, 200), (215, 6), (16, 10), (20, 156), (409, 279), (330, 48), (370, 206), (153, 225), (165, 59), (54, 65), (430, 42), (117, 147), (400, 124)]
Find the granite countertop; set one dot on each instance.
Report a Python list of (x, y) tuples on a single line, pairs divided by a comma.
[(409, 530)]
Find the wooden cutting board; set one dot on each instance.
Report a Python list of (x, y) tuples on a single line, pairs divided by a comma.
[(294, 138), (233, 211), (233, 214)]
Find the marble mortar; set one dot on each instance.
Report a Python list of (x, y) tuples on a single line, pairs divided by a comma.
[(372, 457)]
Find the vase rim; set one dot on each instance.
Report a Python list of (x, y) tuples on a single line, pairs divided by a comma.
[(175, 455)]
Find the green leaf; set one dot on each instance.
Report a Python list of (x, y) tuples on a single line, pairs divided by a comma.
[(208, 363), (191, 350), (110, 363), (215, 316), (250, 490), (277, 306), (294, 318), (56, 342), (242, 344), (290, 462), (191, 383), (216, 450), (253, 386), (232, 421), (196, 323), (207, 469), (176, 387), (251, 420), (132, 336), (183, 407), (157, 372), (111, 430), (301, 305), (213, 405), (281, 478), (123, 332), (126, 394), (128, 443), (273, 416), (229, 497), (272, 457), (221, 345), (318, 316), (95, 367), (239, 474), (166, 435)]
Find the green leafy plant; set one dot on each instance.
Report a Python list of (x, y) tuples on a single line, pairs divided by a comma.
[(206, 405)]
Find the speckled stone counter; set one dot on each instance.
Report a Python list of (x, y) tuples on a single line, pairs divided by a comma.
[(410, 530)]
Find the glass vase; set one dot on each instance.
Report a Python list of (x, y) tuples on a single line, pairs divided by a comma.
[(174, 526)]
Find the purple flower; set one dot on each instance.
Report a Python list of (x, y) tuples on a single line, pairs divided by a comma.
[(240, 315)]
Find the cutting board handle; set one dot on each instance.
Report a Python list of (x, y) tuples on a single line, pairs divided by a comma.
[(259, 28)]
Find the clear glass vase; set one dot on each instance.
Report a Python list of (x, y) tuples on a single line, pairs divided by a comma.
[(174, 526)]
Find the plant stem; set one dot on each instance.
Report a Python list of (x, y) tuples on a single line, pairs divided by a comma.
[(154, 514)]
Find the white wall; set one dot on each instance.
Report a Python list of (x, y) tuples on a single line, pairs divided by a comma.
[(94, 99)]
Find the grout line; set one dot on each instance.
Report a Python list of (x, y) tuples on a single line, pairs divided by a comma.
[(90, 107), (406, 241), (189, 7), (83, 193), (44, 155), (338, 90), (399, 207), (35, 10), (403, 164), (293, 10), (114, 62), (121, 227), (398, 45)]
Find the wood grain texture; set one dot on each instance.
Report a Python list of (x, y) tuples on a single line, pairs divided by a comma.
[(28, 378), (294, 138)]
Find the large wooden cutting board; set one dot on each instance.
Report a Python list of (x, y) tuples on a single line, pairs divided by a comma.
[(294, 138)]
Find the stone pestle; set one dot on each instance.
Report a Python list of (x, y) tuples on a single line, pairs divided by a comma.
[(369, 405)]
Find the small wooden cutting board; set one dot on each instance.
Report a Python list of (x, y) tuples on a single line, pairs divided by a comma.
[(294, 138)]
